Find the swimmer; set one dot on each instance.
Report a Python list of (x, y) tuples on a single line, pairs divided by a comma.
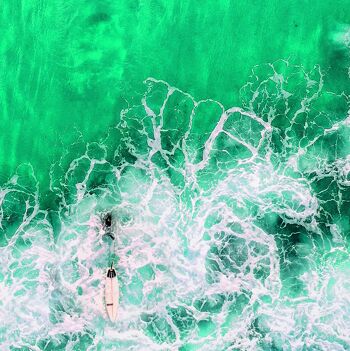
[(107, 225)]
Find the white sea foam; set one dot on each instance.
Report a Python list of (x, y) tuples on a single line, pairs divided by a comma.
[(189, 240)]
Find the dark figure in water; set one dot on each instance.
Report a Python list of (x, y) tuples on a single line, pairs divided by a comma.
[(107, 224), (108, 220)]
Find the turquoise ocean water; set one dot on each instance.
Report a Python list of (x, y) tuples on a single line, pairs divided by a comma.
[(218, 136)]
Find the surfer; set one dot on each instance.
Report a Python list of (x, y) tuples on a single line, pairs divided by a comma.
[(111, 280), (107, 225)]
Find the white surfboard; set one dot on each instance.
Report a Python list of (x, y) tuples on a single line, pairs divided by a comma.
[(112, 294)]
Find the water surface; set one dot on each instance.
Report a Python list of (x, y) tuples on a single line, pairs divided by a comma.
[(217, 133)]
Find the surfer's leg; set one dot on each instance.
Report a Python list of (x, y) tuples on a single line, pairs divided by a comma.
[(111, 236)]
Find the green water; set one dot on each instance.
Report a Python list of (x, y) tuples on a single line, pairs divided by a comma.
[(68, 67), (218, 134)]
